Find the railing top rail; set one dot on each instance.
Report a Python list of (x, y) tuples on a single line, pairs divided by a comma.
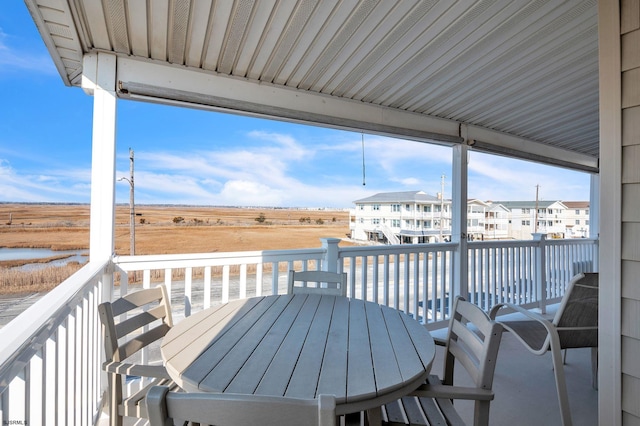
[(30, 330), (530, 243), (160, 261), (571, 241), (396, 249)]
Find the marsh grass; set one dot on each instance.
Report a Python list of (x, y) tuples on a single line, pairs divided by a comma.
[(203, 230), (15, 281)]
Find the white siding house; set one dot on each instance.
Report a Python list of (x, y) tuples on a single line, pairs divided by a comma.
[(401, 217), (416, 217), (526, 219), (577, 219)]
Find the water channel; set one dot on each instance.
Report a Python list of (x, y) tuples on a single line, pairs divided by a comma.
[(79, 256)]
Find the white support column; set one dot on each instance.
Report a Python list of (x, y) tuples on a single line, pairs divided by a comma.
[(594, 218), (610, 383), (594, 207), (99, 78), (459, 219)]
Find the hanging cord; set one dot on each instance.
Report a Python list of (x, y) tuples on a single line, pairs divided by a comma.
[(363, 174)]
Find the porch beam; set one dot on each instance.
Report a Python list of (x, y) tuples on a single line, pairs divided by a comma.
[(99, 79), (172, 85)]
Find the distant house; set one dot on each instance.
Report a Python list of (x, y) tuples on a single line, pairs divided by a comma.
[(417, 217), (529, 217), (401, 217), (577, 219), (496, 222)]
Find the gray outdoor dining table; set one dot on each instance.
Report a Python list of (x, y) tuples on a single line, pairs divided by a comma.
[(302, 346)]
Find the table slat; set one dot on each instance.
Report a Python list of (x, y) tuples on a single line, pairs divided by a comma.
[(334, 362), (360, 374), (277, 376), (385, 364), (206, 360), (251, 372), (306, 374), (246, 341)]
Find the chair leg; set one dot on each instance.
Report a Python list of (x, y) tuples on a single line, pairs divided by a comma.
[(561, 383)]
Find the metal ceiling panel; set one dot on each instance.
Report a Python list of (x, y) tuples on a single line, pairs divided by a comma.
[(524, 69)]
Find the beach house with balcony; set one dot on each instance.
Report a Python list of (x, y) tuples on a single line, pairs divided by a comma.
[(531, 217), (406, 217)]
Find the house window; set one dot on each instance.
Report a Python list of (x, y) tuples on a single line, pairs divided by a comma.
[(437, 209), (395, 207), (577, 221), (526, 211), (375, 221), (375, 207), (427, 224), (407, 207), (395, 223), (361, 206), (586, 222), (407, 223), (577, 211), (361, 220), (417, 223), (427, 209), (586, 212)]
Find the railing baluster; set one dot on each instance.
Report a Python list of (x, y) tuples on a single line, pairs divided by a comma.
[(364, 269)]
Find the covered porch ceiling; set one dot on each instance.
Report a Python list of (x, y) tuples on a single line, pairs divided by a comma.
[(512, 78)]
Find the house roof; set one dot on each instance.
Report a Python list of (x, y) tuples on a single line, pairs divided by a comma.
[(501, 76), (576, 204), (529, 204), (399, 197)]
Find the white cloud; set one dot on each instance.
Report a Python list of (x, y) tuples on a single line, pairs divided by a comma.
[(500, 178), (54, 186), (23, 58)]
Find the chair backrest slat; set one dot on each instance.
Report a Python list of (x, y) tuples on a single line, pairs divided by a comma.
[(166, 407), (473, 342), (148, 307), (336, 282), (141, 341)]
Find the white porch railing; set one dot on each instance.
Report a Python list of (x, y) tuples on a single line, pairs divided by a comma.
[(50, 356)]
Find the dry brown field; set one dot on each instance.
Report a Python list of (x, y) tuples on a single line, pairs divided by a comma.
[(202, 230)]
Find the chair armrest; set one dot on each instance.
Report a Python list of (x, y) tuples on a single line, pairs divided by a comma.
[(453, 392), (535, 332), (128, 369), (439, 341)]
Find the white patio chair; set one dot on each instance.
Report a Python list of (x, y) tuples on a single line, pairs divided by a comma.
[(168, 408), (473, 340), (123, 341), (575, 325), (336, 283)]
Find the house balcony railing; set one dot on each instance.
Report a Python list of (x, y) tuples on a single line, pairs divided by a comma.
[(51, 354)]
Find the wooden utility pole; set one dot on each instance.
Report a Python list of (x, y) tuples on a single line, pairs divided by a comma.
[(132, 210), (536, 216), (441, 206)]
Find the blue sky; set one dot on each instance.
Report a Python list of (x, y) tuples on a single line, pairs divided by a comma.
[(185, 156)]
